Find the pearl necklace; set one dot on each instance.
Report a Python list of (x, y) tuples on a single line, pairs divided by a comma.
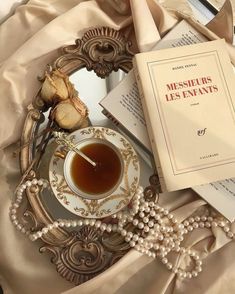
[(156, 231)]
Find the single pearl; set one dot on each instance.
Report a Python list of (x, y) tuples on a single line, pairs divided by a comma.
[(189, 275), (147, 209), (230, 234), (135, 237), (127, 239), (160, 237), (160, 221), (174, 220), (198, 269), (164, 260), (15, 222), (165, 212), (68, 224), (186, 223), (98, 224), (195, 225), (32, 237), (28, 184), (150, 224), (146, 229), (169, 265), (132, 243), (151, 204), (140, 225), (34, 181), (71, 224), (198, 262), (210, 219), (201, 225), (44, 230), (197, 218), (191, 220), (221, 224), (145, 219), (123, 233), (13, 217), (135, 222), (214, 224), (226, 229), (50, 227), (103, 227), (141, 214), (190, 228), (207, 224), (19, 227), (40, 182), (129, 234), (152, 213), (39, 234)]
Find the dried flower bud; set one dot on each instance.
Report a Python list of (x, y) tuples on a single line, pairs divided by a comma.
[(70, 114), (57, 87)]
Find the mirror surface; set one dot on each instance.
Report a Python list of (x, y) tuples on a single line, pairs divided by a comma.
[(92, 90)]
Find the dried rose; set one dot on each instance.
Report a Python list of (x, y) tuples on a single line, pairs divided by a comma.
[(70, 114), (57, 87)]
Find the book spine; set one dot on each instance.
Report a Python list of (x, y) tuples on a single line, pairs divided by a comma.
[(149, 126)]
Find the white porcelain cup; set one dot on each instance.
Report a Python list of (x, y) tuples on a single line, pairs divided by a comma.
[(68, 170)]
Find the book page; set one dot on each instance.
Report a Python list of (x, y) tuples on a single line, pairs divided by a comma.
[(124, 105), (220, 195), (181, 35)]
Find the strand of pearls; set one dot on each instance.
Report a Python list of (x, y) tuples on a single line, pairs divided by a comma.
[(156, 231)]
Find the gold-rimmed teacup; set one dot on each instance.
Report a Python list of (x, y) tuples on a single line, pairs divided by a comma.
[(96, 182)]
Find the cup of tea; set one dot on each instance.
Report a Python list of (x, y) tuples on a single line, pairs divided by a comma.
[(99, 181)]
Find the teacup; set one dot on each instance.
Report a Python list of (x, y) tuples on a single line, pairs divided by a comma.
[(96, 182)]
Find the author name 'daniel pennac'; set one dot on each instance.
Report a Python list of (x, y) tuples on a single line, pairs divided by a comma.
[(184, 66), (204, 85)]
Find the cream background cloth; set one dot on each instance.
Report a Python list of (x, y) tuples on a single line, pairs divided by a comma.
[(29, 40)]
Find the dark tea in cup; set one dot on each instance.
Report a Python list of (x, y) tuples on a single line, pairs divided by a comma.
[(94, 182)]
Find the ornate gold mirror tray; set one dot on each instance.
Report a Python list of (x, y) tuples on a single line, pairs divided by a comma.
[(80, 249)]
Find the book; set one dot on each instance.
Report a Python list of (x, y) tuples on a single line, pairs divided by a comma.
[(123, 106), (188, 97), (221, 195)]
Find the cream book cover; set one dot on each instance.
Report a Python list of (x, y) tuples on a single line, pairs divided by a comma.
[(188, 100)]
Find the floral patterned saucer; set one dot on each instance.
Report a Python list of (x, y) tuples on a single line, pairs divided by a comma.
[(96, 208)]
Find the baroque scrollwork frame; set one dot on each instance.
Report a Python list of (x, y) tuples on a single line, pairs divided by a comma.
[(81, 255)]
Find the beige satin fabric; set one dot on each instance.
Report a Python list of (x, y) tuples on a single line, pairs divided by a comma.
[(28, 41)]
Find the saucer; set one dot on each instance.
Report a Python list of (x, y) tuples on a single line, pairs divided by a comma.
[(118, 199)]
